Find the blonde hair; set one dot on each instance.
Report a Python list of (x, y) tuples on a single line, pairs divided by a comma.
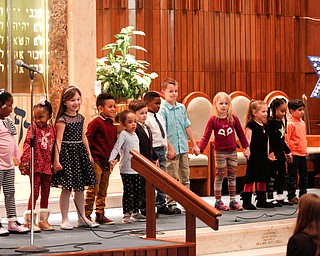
[(254, 105), (230, 109), (167, 81)]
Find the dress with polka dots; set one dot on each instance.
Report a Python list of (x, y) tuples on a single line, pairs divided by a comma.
[(77, 173)]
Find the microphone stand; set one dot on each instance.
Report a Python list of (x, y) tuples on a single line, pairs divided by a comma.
[(31, 248)]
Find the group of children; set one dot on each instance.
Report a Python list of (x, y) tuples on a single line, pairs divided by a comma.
[(269, 140), (75, 161)]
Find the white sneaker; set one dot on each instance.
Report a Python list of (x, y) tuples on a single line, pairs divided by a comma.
[(3, 231), (66, 225), (137, 217), (126, 218)]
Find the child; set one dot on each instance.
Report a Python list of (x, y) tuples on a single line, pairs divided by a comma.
[(145, 144), (178, 128), (224, 124), (305, 240), (160, 143), (280, 149), (128, 140), (257, 164), (72, 158), (297, 141), (8, 150), (44, 137), (102, 135)]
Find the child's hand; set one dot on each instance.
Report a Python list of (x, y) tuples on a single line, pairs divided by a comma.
[(57, 167), (112, 163), (91, 159), (171, 154), (157, 163), (196, 150), (246, 153), (272, 157), (24, 168), (289, 158)]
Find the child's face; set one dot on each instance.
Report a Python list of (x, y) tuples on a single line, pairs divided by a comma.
[(171, 92), (41, 117), (141, 115), (222, 105), (154, 105), (109, 108), (6, 109), (298, 113), (260, 115), (130, 123), (281, 111), (73, 105)]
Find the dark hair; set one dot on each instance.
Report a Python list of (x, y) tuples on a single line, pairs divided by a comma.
[(167, 81), (4, 97), (136, 105), (308, 219), (102, 97), (44, 104), (294, 104), (275, 104), (67, 94), (149, 96), (123, 116)]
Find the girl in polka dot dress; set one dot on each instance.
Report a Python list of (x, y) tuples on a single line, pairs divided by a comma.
[(72, 165)]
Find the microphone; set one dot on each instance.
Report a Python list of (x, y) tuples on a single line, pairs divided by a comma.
[(20, 63)]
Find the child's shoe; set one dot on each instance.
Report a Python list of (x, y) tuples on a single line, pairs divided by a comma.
[(3, 231), (66, 225), (137, 217), (294, 200), (235, 206), (85, 223), (219, 205), (126, 218), (14, 227)]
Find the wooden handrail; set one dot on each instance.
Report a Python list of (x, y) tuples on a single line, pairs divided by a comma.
[(193, 204)]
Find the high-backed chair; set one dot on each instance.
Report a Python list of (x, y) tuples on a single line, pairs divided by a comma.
[(199, 106), (240, 103)]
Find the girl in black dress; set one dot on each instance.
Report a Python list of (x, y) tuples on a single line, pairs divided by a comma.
[(73, 163), (257, 164), (282, 153)]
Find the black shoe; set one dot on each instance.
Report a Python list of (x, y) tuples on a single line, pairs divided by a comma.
[(174, 209), (277, 203), (144, 213), (165, 210)]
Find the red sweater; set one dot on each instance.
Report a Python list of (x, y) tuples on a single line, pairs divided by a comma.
[(102, 135), (224, 136)]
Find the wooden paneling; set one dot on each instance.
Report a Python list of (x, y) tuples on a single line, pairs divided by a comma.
[(223, 45)]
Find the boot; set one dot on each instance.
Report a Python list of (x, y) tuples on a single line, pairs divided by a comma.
[(27, 220), (247, 197), (43, 220), (101, 219), (262, 200)]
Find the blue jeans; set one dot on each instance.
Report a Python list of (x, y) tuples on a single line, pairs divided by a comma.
[(161, 196)]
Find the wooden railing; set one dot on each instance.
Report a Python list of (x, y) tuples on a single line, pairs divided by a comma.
[(193, 204)]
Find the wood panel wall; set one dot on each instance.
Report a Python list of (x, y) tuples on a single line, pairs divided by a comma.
[(223, 45)]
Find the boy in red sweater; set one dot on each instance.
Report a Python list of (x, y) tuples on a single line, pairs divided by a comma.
[(102, 135)]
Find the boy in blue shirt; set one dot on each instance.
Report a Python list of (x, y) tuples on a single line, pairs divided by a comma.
[(178, 130)]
